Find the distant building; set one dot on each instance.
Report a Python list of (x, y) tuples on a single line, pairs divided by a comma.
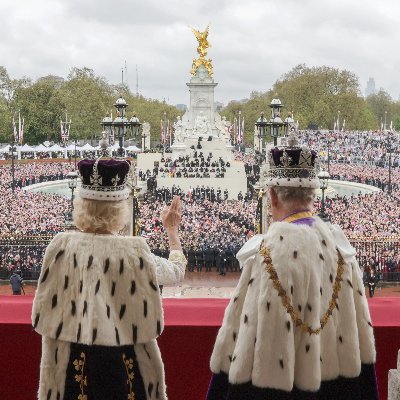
[(370, 87), (218, 106), (181, 107)]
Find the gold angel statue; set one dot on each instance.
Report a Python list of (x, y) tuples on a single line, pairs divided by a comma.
[(203, 42), (202, 51)]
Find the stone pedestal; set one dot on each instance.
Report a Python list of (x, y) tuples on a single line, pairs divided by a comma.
[(178, 150), (201, 89)]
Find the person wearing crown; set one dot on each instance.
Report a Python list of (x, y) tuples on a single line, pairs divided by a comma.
[(97, 304), (297, 325)]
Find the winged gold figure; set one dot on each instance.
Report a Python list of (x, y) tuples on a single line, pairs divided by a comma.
[(203, 42), (202, 51)]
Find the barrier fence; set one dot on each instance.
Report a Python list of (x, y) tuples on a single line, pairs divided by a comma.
[(381, 253)]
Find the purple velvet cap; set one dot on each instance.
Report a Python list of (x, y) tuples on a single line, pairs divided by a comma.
[(104, 179)]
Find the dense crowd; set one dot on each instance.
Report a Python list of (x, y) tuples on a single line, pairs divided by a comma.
[(207, 228), (213, 227)]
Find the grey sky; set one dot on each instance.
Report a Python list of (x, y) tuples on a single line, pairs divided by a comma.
[(253, 42)]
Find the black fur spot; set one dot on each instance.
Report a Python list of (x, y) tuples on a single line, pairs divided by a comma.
[(359, 292), (35, 324), (299, 307), (281, 363), (340, 339), (158, 327), (97, 287), (145, 308), (108, 311), (268, 305), (369, 323), (309, 307), (94, 335), (78, 335), (251, 281), (281, 238), (331, 278), (117, 336), (320, 290), (59, 329), (291, 289), (145, 349), (234, 300), (90, 261), (157, 392), (323, 242), (56, 355), (134, 333), (49, 394), (58, 396), (80, 286), (153, 286), (349, 282), (133, 287), (234, 336), (66, 280), (75, 261), (122, 311), (58, 255), (121, 266), (150, 389), (113, 288), (295, 254), (307, 348), (84, 308), (54, 301), (246, 319), (73, 307), (45, 275), (106, 265), (288, 325), (141, 262), (320, 358)]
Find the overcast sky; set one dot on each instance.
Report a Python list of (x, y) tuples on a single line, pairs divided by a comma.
[(253, 42)]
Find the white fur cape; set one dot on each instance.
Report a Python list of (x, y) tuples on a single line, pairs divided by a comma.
[(257, 341), (102, 290)]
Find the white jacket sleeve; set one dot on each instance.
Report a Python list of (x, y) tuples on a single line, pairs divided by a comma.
[(170, 271)]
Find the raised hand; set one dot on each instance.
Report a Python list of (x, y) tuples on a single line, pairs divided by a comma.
[(171, 216)]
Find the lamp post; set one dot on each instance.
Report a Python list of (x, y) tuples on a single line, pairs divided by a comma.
[(323, 177), (384, 126), (12, 148), (389, 150), (72, 183), (121, 125), (259, 192), (276, 126), (132, 183), (261, 124)]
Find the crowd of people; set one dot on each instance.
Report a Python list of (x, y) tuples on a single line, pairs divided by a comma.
[(353, 156)]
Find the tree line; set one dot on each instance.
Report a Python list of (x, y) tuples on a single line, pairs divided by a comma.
[(315, 95)]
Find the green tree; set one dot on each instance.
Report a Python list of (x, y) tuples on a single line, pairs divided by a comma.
[(41, 106)]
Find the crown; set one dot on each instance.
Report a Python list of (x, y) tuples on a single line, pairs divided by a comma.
[(104, 179), (292, 165)]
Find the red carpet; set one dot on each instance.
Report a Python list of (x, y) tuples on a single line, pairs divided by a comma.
[(191, 326)]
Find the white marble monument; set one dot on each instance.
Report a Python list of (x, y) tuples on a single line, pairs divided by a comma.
[(201, 120)]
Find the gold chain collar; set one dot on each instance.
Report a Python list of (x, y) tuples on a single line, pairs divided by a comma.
[(297, 321)]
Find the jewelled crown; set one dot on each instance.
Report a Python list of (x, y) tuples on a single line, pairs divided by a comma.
[(292, 165), (104, 179)]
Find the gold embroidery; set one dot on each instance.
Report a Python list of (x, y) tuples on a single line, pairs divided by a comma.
[(81, 378), (130, 375), (297, 321)]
